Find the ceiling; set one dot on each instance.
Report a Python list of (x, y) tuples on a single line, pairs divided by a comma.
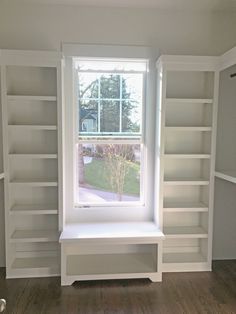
[(204, 5)]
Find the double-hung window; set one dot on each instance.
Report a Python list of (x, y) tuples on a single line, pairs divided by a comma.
[(109, 140)]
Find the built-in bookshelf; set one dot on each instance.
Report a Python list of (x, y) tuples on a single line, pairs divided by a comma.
[(186, 130), (31, 98)]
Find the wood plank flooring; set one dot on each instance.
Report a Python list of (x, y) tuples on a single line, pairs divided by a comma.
[(205, 292)]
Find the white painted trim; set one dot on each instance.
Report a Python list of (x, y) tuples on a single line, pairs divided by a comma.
[(108, 51), (188, 63), (228, 59), (30, 58)]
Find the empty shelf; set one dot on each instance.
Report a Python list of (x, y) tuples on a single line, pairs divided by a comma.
[(189, 128), (32, 209), (31, 98), (188, 156), (36, 262), (185, 232), (189, 100), (186, 182), (34, 156), (34, 182), (184, 258), (34, 236), (184, 207), (110, 264), (19, 127), (228, 175)]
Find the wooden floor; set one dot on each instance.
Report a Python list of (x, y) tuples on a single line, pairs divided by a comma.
[(189, 293)]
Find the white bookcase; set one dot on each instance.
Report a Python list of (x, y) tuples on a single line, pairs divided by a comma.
[(31, 99), (185, 158)]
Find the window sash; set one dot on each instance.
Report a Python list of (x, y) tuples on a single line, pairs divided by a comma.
[(142, 190), (112, 138), (100, 99)]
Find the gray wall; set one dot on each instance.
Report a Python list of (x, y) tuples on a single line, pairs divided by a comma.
[(224, 244)]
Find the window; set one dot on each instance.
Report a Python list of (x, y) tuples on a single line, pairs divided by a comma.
[(109, 148)]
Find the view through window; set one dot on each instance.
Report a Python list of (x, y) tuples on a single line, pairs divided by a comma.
[(109, 145)]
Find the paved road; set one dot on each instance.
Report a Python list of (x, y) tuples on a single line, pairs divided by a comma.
[(93, 195)]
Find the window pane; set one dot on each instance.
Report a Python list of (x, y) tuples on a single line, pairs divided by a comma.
[(132, 86), (88, 85), (131, 116), (110, 116), (88, 116), (108, 173), (110, 86)]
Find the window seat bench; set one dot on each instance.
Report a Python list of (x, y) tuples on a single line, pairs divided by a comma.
[(93, 251)]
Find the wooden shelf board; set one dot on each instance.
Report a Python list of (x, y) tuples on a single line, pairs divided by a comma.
[(184, 207), (34, 182), (189, 128), (186, 182), (188, 156), (32, 209), (185, 232), (110, 264), (31, 98), (32, 127), (189, 100), (195, 257), (26, 236), (36, 262), (143, 232), (34, 156), (228, 175)]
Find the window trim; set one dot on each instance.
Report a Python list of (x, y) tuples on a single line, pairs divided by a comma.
[(139, 213)]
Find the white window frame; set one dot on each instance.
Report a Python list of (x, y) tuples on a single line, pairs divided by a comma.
[(124, 211), (111, 139)]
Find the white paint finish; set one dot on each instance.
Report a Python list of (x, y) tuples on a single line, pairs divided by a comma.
[(196, 33), (228, 175), (31, 112), (110, 251), (110, 212), (188, 156), (144, 232), (110, 264), (185, 232), (27, 236), (160, 4), (188, 103)]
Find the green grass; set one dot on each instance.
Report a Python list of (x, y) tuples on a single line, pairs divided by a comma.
[(97, 176)]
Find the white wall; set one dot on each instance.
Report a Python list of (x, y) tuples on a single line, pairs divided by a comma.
[(46, 27)]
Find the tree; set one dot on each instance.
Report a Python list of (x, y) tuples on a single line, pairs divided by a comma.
[(116, 157)]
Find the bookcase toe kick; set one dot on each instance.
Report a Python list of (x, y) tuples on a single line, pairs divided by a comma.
[(102, 261)]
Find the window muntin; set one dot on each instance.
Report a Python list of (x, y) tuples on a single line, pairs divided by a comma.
[(109, 146), (112, 101)]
